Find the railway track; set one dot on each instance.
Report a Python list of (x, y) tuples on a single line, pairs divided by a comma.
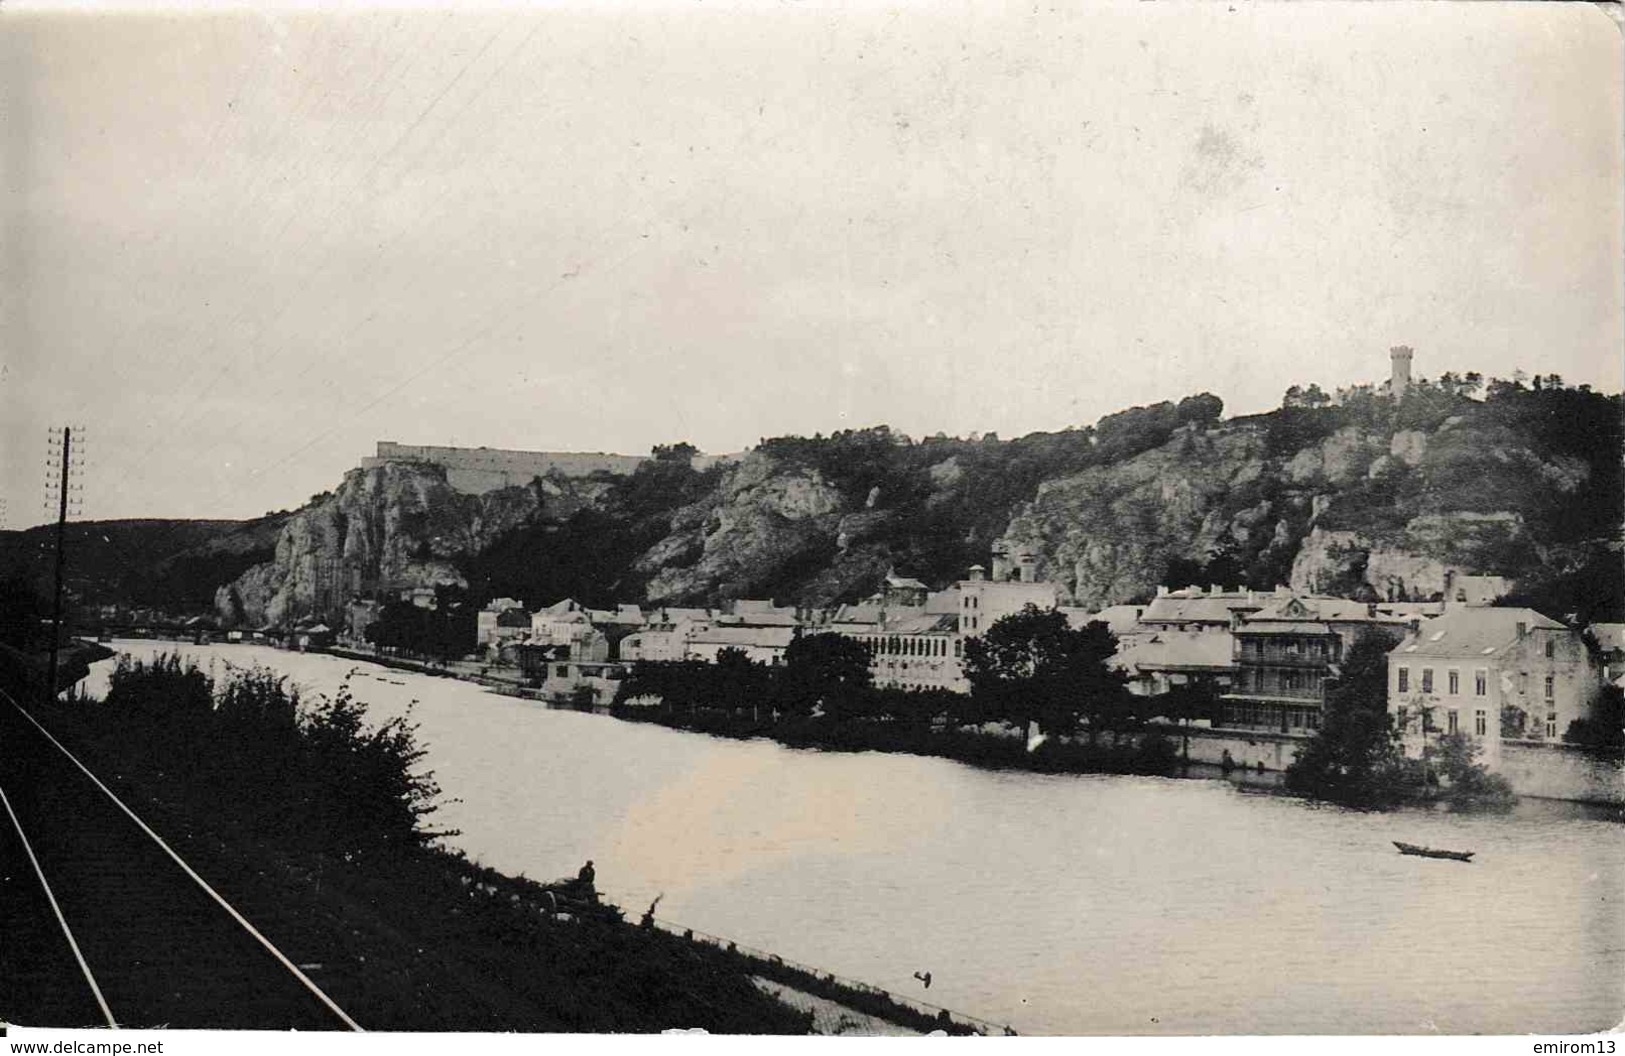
[(105, 925)]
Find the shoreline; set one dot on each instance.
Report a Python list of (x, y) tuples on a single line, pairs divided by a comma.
[(517, 907), (1266, 781)]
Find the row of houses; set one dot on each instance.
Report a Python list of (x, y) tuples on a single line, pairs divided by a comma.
[(1463, 665), (915, 635)]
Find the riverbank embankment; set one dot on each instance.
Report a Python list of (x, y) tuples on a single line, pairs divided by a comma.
[(414, 937)]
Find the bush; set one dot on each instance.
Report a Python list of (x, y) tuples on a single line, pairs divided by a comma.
[(315, 776), (1605, 728), (1468, 786)]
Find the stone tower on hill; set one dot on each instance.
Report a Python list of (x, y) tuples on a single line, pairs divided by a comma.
[(1399, 378)]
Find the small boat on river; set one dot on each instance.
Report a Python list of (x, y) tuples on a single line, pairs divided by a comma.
[(1433, 852)]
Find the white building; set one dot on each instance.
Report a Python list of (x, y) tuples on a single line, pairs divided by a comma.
[(917, 638), (1492, 674)]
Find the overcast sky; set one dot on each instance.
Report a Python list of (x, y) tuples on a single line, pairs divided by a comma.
[(244, 247)]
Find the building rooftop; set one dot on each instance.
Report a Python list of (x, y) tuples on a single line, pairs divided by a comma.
[(1194, 606), (512, 618), (676, 614), (770, 637), (862, 612), (1175, 650), (1473, 631), (1119, 619), (1325, 609), (919, 623), (1610, 636)]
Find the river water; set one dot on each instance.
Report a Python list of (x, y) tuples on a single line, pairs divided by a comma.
[(1057, 904)]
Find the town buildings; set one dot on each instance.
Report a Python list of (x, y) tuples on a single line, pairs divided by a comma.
[(916, 637), (1286, 653), (1271, 656), (1493, 674)]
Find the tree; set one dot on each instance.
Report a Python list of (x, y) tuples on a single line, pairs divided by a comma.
[(1605, 727), (21, 610), (740, 682), (1033, 666), (1354, 758), (1203, 409), (681, 452), (825, 671), (1468, 785)]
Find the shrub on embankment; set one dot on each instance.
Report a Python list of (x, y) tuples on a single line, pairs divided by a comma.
[(311, 821), (305, 774), (1150, 752)]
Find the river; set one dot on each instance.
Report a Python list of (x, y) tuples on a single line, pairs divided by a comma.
[(1058, 904)]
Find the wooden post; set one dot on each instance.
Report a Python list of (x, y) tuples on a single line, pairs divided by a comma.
[(61, 532)]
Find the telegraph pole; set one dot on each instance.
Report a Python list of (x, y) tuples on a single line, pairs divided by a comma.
[(61, 536)]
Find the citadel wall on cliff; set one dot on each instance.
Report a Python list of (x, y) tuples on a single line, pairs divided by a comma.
[(477, 470)]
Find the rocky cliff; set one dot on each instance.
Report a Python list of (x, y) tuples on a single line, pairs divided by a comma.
[(1382, 506), (390, 526), (1365, 496)]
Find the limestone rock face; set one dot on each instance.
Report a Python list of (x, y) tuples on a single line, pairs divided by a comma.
[(762, 516), (1340, 458), (1409, 568), (1107, 534), (389, 526), (1359, 511)]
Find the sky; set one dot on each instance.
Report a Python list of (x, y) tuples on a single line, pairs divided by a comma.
[(241, 247)]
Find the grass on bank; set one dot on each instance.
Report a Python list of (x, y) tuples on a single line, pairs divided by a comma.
[(316, 824)]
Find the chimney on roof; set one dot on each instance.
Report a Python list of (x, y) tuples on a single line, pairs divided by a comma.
[(1371, 610), (1162, 590), (1215, 589), (978, 573), (1523, 629)]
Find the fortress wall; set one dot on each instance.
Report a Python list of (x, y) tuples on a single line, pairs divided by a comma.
[(480, 469), (477, 470)]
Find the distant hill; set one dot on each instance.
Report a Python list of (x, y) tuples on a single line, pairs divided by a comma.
[(1358, 494), (175, 565)]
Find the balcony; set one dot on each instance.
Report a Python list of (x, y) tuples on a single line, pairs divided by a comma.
[(1299, 661)]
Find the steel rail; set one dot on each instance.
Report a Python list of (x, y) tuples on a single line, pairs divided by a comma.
[(282, 959)]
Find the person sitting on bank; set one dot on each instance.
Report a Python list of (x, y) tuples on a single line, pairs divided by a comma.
[(587, 875)]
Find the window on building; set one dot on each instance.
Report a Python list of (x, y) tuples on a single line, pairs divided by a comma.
[(1551, 724), (1481, 682), (562, 671), (1404, 680), (1481, 722), (1450, 721), (1551, 687), (1427, 680), (1551, 648), (1455, 682)]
